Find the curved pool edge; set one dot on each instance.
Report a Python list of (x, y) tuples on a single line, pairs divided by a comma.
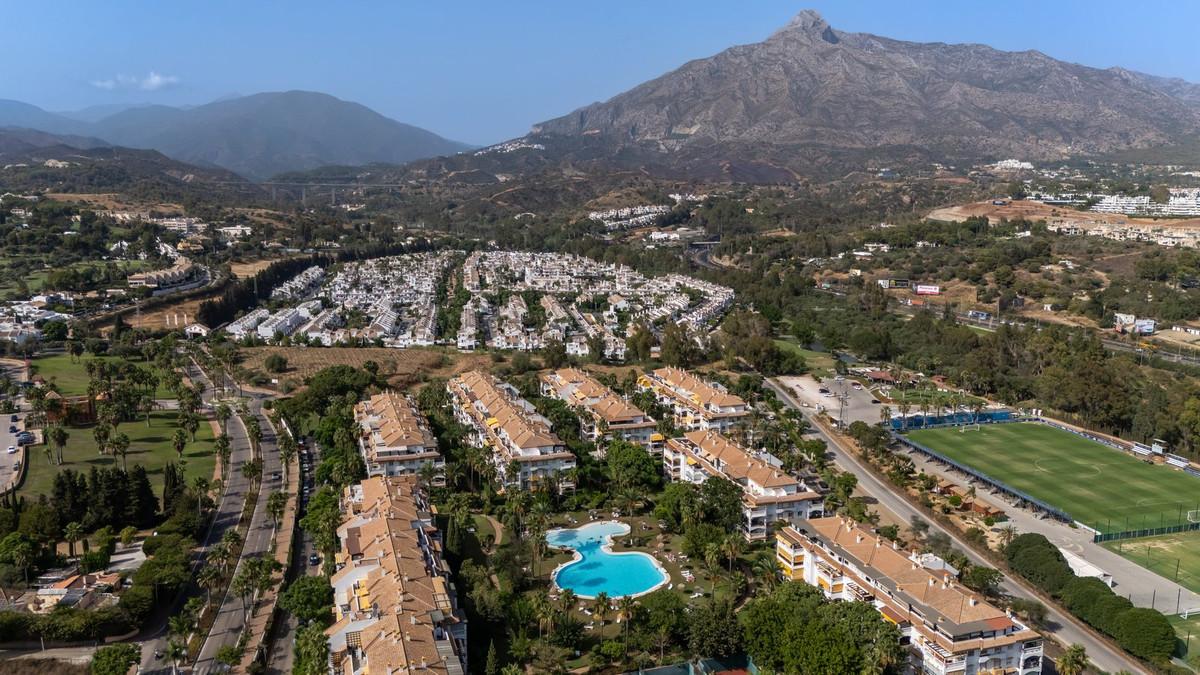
[(576, 556)]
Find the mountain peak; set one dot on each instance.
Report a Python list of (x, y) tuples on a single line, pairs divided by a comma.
[(810, 23)]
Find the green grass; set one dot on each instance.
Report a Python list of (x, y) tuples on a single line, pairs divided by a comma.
[(71, 378), (1188, 632), (1171, 556), (932, 395), (817, 361), (149, 446), (1098, 486)]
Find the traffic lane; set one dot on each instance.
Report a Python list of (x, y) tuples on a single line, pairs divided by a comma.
[(1100, 653), (8, 439)]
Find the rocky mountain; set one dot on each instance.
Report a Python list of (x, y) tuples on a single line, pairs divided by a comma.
[(810, 94), (255, 136)]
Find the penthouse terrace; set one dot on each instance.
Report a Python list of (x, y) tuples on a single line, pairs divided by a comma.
[(950, 628), (605, 414), (525, 451), (696, 404), (769, 494), (395, 438), (395, 606)]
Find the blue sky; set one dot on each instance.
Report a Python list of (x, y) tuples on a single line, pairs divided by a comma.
[(481, 72)]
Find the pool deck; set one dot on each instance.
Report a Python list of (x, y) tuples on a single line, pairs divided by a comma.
[(607, 547)]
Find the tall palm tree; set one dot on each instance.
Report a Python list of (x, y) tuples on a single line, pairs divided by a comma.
[(543, 610), (766, 572), (179, 441), (1073, 661), (601, 607), (626, 606), (731, 548), (120, 446), (566, 601), (209, 578), (712, 562)]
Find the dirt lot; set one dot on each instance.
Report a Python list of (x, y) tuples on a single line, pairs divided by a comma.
[(169, 317), (111, 201), (402, 367), (242, 270), (1051, 214)]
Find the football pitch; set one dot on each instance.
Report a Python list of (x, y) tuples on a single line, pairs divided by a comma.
[(1103, 488)]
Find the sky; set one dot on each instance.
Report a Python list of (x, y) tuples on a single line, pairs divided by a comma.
[(482, 72)]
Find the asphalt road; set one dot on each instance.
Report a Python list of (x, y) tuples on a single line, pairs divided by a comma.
[(229, 511), (281, 656), (1062, 626), (231, 617)]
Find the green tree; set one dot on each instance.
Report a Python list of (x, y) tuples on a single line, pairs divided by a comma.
[(714, 630), (1074, 661), (309, 599), (115, 659)]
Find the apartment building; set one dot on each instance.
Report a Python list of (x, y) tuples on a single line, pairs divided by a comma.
[(178, 273), (243, 326), (395, 439), (525, 452), (949, 628), (394, 601), (769, 494), (604, 415), (696, 404)]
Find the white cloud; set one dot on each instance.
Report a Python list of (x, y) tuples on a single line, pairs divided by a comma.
[(152, 82)]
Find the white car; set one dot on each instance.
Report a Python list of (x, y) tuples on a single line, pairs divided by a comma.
[(12, 449)]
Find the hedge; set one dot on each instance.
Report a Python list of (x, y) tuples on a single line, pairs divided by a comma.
[(1141, 631)]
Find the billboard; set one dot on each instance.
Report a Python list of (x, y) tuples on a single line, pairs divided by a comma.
[(1144, 326), (928, 289)]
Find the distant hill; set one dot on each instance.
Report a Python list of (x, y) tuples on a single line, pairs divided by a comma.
[(36, 160), (255, 136)]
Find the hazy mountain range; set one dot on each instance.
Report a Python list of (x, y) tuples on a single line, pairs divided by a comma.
[(808, 100), (255, 136)]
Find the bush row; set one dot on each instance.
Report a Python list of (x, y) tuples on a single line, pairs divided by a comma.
[(1141, 631)]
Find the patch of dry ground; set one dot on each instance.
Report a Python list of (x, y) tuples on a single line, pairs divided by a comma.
[(402, 367), (1039, 211)]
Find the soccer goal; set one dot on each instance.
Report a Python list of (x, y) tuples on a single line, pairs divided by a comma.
[(1193, 516), (1187, 613), (969, 427)]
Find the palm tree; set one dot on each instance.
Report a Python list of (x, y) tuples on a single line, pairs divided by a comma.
[(209, 578), (1073, 661), (566, 601), (766, 572), (177, 652), (179, 441), (224, 451), (57, 435), (601, 607), (626, 606), (1007, 534), (731, 547), (543, 610), (73, 532), (712, 562), (120, 446), (223, 413)]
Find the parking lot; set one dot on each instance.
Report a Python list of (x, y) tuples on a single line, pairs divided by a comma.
[(829, 394)]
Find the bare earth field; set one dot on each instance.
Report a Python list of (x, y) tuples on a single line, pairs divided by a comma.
[(402, 367), (168, 317), (109, 201), (1051, 214)]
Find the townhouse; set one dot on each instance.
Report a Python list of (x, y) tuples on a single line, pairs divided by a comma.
[(949, 628), (247, 323), (394, 602), (696, 404), (604, 415), (395, 439), (525, 451), (769, 494)]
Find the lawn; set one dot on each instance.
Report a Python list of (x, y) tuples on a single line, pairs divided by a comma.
[(69, 376), (1188, 632), (1098, 486), (1171, 556), (149, 446), (820, 362)]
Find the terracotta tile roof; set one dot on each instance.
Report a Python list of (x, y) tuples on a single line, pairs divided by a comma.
[(702, 392)]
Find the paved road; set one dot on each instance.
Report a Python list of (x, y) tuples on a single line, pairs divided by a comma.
[(8, 461), (1064, 627), (231, 617), (281, 657), (229, 511)]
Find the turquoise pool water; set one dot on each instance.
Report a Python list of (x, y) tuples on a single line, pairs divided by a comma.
[(598, 570)]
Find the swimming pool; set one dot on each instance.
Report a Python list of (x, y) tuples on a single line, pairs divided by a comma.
[(597, 569)]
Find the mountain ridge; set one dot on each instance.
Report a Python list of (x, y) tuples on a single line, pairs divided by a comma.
[(255, 136)]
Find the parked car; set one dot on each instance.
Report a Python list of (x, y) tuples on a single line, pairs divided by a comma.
[(314, 559), (14, 418), (12, 429), (12, 449)]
